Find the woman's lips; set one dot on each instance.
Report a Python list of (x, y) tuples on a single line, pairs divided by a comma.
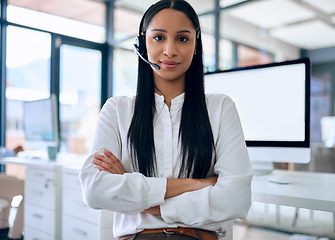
[(169, 64)]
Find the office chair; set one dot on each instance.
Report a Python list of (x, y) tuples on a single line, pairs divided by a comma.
[(3, 203)]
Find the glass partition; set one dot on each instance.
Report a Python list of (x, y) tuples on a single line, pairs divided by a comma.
[(208, 41), (125, 73), (226, 54)]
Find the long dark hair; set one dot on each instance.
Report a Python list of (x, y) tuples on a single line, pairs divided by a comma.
[(195, 133)]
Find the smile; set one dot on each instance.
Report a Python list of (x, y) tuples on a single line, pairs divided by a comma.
[(169, 64)]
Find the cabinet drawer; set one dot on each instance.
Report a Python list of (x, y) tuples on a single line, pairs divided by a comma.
[(40, 218), (40, 194), (40, 175), (33, 234), (71, 181), (74, 206), (76, 229)]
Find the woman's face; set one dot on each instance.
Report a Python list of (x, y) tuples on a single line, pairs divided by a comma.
[(171, 43)]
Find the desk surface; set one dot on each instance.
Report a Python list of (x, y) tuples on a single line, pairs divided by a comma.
[(63, 159), (306, 190)]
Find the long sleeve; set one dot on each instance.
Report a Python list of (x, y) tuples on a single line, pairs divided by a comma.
[(230, 198), (131, 192), (4, 152)]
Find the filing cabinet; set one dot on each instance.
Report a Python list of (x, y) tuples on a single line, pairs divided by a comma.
[(42, 199), (78, 220)]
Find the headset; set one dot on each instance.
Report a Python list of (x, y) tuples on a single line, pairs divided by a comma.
[(140, 50)]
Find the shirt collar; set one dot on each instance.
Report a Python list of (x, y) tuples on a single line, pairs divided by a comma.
[(176, 103)]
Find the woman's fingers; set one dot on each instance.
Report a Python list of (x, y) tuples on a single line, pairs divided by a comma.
[(109, 154), (102, 169), (102, 162), (115, 162)]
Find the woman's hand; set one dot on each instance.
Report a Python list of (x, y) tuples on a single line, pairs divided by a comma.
[(153, 210), (207, 182), (108, 163)]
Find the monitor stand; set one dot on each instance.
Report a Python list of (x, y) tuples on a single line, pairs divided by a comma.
[(266, 168), (261, 168)]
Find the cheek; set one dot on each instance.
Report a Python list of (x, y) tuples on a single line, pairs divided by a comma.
[(153, 51), (188, 57)]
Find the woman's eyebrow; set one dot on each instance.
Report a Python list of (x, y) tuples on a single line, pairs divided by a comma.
[(184, 31), (162, 30), (158, 30)]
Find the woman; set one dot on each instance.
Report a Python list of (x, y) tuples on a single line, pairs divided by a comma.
[(170, 160)]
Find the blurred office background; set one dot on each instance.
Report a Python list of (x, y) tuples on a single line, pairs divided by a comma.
[(81, 50)]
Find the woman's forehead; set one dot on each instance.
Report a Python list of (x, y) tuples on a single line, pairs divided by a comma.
[(171, 20)]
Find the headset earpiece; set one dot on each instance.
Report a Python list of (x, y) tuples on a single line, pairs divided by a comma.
[(141, 51), (140, 44), (198, 33)]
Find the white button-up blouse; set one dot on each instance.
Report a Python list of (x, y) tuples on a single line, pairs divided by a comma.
[(129, 194)]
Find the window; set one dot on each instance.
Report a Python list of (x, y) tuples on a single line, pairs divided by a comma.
[(250, 57), (321, 101), (125, 73), (208, 41), (28, 76), (126, 25), (81, 19), (226, 54), (80, 94)]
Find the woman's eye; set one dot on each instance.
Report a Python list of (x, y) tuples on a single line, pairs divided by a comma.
[(183, 39), (158, 38)]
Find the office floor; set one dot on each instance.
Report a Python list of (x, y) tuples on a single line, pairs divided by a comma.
[(241, 232), (276, 223)]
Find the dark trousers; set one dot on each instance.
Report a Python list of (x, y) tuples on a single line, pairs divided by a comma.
[(157, 236)]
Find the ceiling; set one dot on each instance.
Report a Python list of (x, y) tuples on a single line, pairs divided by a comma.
[(307, 24), (88, 11)]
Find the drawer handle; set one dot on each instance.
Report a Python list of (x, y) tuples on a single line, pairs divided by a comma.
[(39, 193), (48, 182), (36, 238), (79, 231), (37, 216), (39, 175)]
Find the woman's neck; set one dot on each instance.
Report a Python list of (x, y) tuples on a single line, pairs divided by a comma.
[(169, 89)]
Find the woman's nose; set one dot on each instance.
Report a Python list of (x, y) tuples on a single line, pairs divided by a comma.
[(170, 49)]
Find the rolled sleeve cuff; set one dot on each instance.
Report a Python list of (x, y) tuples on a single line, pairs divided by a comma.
[(171, 209), (157, 191)]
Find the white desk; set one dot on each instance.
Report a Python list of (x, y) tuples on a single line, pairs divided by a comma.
[(306, 190), (43, 195), (63, 159)]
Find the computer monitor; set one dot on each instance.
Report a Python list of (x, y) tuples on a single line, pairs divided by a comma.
[(273, 102), (40, 123)]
